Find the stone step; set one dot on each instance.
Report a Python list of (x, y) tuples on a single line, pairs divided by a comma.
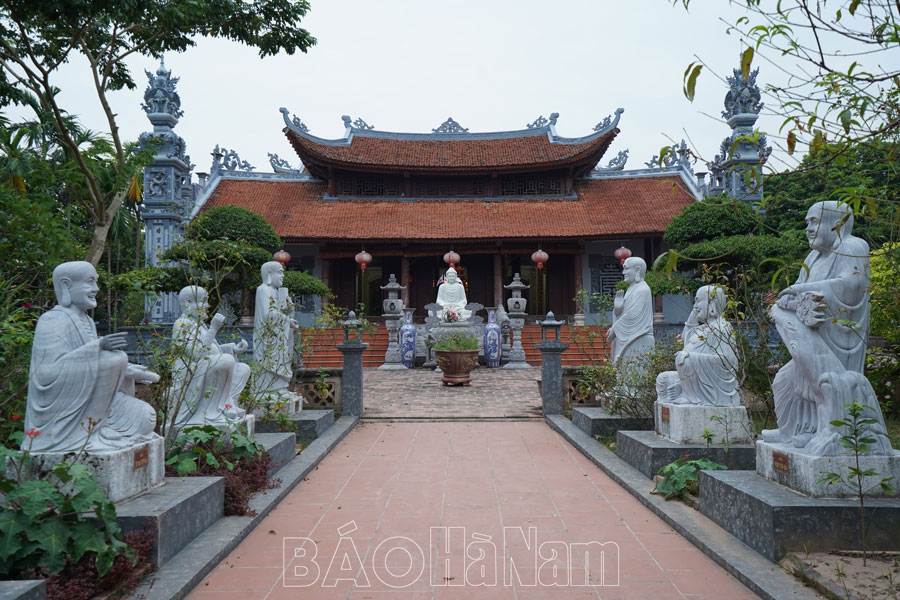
[(648, 452), (282, 448), (307, 425), (595, 421), (30, 589), (176, 513)]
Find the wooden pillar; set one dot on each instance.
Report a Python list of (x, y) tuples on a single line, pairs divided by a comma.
[(404, 279), (498, 279), (326, 275), (579, 259)]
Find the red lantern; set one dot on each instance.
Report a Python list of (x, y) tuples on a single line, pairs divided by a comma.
[(283, 257), (540, 257), (622, 254), (451, 258), (363, 258)]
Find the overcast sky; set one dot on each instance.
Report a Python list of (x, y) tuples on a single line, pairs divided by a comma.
[(493, 65)]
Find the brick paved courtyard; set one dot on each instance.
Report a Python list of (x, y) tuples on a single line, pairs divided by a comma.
[(419, 394), (378, 511)]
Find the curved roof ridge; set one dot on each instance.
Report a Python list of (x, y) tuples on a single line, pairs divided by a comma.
[(548, 129)]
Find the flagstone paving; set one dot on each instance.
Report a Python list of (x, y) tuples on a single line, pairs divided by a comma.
[(419, 394), (423, 509)]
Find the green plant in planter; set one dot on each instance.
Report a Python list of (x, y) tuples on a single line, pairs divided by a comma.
[(459, 340)]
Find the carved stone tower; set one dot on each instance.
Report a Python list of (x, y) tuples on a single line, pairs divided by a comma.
[(737, 169), (168, 194)]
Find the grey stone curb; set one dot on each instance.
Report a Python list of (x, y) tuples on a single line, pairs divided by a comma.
[(761, 576), (178, 577)]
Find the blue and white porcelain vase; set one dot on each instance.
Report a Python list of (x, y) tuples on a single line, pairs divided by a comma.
[(408, 339), (492, 339)]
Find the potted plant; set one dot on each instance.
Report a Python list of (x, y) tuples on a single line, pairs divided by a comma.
[(457, 355)]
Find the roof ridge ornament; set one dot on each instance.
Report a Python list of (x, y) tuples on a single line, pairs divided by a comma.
[(294, 121), (280, 165), (450, 126), (618, 163), (160, 96), (609, 123), (360, 124), (538, 123), (675, 156), (227, 160)]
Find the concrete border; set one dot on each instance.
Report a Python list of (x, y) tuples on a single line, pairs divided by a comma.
[(178, 577), (761, 576)]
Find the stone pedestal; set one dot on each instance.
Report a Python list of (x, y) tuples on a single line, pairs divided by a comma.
[(595, 421), (516, 352), (684, 423), (121, 474), (790, 467), (648, 452), (392, 354), (307, 426), (774, 520)]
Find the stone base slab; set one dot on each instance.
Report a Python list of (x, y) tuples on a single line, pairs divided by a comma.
[(595, 421), (121, 474), (176, 513), (282, 448), (684, 423), (774, 520), (308, 425), (516, 365), (790, 467), (648, 452), (391, 367), (28, 589)]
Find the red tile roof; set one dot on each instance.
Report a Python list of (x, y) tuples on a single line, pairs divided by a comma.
[(524, 152), (605, 208)]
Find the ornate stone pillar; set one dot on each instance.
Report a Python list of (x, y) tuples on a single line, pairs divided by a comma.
[(551, 365), (516, 306), (352, 374), (393, 313)]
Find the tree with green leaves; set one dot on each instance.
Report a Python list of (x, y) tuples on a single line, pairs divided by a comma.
[(37, 37)]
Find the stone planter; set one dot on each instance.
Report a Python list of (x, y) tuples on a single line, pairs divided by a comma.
[(456, 365)]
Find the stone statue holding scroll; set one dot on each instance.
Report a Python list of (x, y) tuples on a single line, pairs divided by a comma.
[(452, 297), (207, 378), (273, 335), (707, 366), (823, 320), (80, 386), (631, 333)]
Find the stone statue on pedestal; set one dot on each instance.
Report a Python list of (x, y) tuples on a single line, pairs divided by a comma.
[(273, 336), (81, 387), (207, 378), (631, 333), (452, 297), (706, 368), (823, 320)]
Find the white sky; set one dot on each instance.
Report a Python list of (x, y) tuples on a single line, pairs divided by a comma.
[(493, 65)]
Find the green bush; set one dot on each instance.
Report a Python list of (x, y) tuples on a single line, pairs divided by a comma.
[(714, 217), (671, 283), (884, 273), (235, 224), (746, 252), (682, 476)]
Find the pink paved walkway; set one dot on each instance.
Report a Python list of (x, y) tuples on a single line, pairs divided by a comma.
[(402, 479)]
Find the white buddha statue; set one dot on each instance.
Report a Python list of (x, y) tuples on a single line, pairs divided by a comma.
[(273, 337), (452, 297), (631, 333), (80, 386), (706, 368), (207, 378)]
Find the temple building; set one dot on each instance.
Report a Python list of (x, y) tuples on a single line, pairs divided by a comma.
[(408, 198)]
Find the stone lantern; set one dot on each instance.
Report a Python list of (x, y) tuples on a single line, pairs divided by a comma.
[(517, 306), (352, 375), (551, 365), (393, 313)]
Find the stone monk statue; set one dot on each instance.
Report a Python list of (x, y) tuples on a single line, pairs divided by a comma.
[(273, 335), (452, 297), (207, 378), (81, 387), (631, 333), (706, 367), (823, 320)]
